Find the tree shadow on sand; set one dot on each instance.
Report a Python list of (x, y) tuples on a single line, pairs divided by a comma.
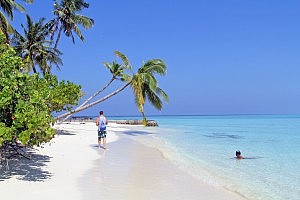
[(63, 132), (23, 168)]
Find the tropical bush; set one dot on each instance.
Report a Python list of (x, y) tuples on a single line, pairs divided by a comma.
[(27, 101)]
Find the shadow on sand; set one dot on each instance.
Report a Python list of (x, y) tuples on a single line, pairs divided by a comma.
[(23, 168), (63, 132), (135, 133)]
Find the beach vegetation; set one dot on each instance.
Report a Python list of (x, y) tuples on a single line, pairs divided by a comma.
[(27, 101), (36, 92)]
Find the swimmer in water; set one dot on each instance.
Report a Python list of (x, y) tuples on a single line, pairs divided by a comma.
[(238, 155)]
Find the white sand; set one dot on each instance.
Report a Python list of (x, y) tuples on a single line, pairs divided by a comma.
[(72, 167)]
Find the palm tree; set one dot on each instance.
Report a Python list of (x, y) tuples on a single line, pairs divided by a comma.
[(67, 19), (8, 6), (34, 48), (47, 57), (144, 86), (117, 71)]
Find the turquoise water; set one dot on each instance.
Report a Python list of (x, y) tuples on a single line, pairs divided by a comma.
[(205, 146)]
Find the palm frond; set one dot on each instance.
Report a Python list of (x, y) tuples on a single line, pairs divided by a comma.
[(17, 6), (154, 99), (162, 94), (5, 26), (7, 7), (77, 31), (28, 1), (84, 21), (124, 59), (154, 66)]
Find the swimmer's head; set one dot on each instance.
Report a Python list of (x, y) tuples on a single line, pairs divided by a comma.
[(237, 153)]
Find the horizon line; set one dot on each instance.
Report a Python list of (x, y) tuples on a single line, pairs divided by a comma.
[(185, 115)]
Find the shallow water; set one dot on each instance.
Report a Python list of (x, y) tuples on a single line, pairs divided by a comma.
[(205, 146)]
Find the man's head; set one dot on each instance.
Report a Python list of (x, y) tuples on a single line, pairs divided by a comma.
[(101, 112)]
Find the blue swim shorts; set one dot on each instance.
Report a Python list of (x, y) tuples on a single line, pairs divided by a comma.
[(101, 134)]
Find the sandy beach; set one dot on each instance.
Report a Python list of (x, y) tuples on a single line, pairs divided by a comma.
[(72, 167)]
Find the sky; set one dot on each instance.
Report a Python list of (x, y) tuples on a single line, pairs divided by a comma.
[(223, 56)]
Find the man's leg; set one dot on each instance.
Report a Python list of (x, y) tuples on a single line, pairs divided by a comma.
[(99, 142), (104, 142)]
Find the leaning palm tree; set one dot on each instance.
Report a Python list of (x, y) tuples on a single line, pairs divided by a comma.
[(67, 19), (118, 73), (144, 86), (8, 7), (34, 48)]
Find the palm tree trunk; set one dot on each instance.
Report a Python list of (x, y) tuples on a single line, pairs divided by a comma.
[(93, 103), (91, 97), (144, 118)]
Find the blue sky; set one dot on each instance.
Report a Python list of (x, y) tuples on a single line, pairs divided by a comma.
[(223, 56)]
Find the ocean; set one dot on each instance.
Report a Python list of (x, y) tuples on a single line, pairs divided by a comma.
[(205, 147)]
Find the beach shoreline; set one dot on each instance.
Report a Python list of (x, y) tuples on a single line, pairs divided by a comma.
[(74, 167)]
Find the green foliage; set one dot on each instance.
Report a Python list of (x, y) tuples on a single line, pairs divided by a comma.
[(27, 101), (145, 86), (68, 18), (34, 48)]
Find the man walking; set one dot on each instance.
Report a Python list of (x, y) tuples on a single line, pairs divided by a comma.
[(101, 122)]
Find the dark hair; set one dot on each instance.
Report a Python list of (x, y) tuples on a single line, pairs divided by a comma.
[(101, 112), (237, 153)]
